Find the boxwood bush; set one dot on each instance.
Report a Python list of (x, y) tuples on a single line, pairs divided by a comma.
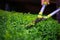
[(12, 27)]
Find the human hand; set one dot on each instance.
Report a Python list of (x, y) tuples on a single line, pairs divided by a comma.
[(42, 2)]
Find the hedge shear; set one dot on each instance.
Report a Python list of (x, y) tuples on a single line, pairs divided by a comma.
[(40, 17)]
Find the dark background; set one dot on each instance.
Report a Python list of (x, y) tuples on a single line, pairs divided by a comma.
[(32, 6)]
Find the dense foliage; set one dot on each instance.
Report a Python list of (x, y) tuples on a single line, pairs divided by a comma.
[(12, 27)]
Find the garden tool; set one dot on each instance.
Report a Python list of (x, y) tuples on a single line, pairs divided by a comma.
[(41, 17)]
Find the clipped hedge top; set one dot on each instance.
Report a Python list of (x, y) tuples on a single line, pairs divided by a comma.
[(13, 25)]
